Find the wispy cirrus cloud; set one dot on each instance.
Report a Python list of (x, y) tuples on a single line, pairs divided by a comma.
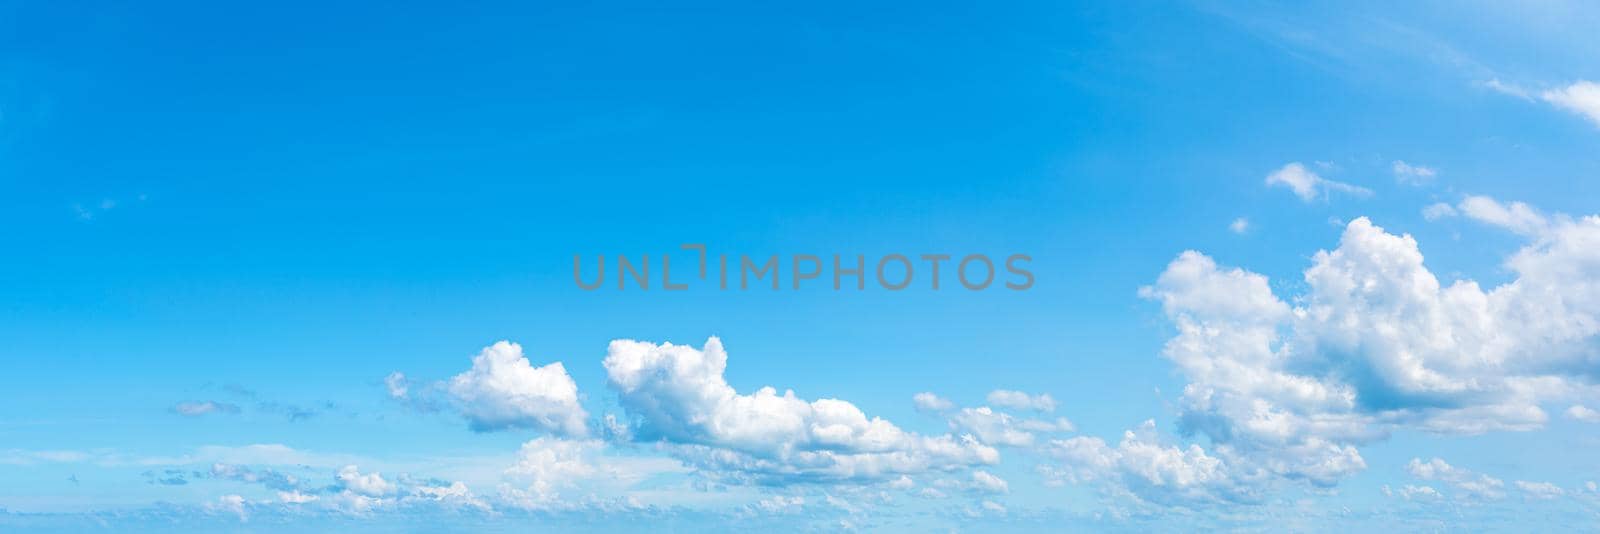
[(1516, 217), (1414, 175), (199, 408), (1310, 186), (1469, 484), (1002, 429), (1581, 97), (1018, 400), (929, 402)]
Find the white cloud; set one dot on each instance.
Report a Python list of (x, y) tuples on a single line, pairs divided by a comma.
[(1143, 467), (267, 477), (1581, 97), (1018, 400), (547, 465), (197, 408), (781, 504), (261, 453), (1308, 185), (27, 457), (997, 428), (503, 390), (1515, 216), (1578, 412), (1473, 485), (233, 504), (1540, 490), (1414, 493), (1376, 343), (1408, 174), (1059, 424), (398, 386), (369, 485), (985, 481), (977, 482), (678, 394), (359, 494), (1438, 210), (991, 427), (454, 494), (555, 473), (928, 402), (1239, 225), (420, 397), (1509, 89), (89, 212), (352, 491), (295, 497)]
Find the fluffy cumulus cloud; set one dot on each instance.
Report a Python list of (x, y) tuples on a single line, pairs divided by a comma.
[(1309, 186), (1375, 343), (550, 471), (359, 493), (1280, 390), (1141, 466), (503, 390), (677, 395), (370, 484)]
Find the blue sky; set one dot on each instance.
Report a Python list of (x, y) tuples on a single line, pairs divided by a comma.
[(1323, 267)]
